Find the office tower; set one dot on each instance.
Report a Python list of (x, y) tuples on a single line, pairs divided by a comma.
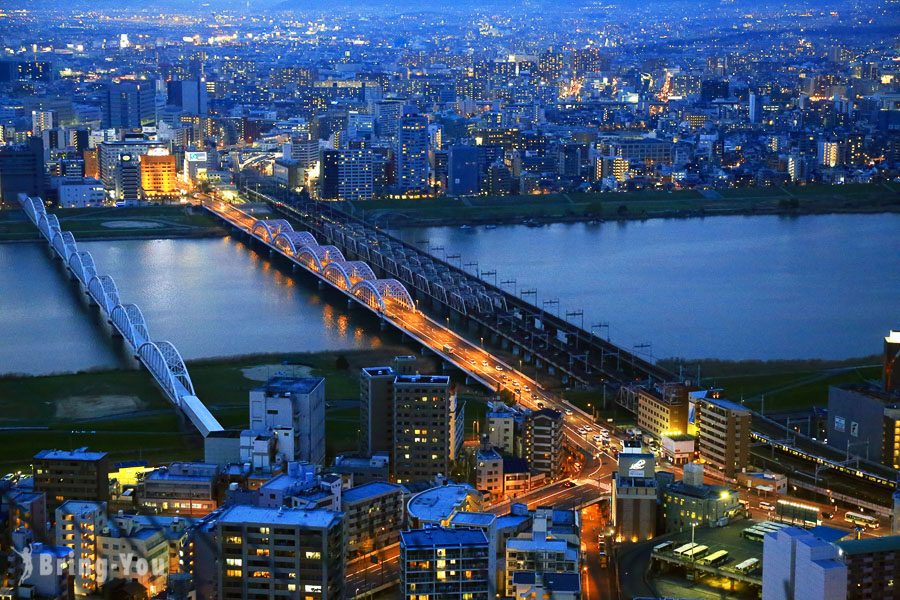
[(159, 175), (544, 442), (428, 427), (754, 106), (180, 489), (387, 118), (451, 564), (22, 170), (797, 565), (376, 421), (128, 179), (41, 120), (329, 175), (634, 497), (129, 105), (723, 431), (463, 171), (412, 154), (109, 153), (830, 153), (890, 380), (280, 553), (713, 89), (189, 96), (76, 474), (296, 403), (355, 175), (374, 514), (78, 523)]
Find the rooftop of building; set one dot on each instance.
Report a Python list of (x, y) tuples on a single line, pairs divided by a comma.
[(423, 379), (442, 537), (378, 371), (703, 492), (472, 519), (547, 412), (554, 582), (727, 404), (888, 543), (370, 490), (253, 515), (488, 454), (530, 544), (514, 464), (291, 385), (184, 472), (439, 503), (77, 454), (78, 507), (680, 437)]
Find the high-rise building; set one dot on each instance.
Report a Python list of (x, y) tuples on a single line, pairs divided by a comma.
[(412, 154), (552, 546), (376, 396), (159, 175), (22, 170), (78, 525), (41, 120), (128, 179), (723, 431), (463, 171), (873, 567), (129, 105), (830, 153), (295, 403), (280, 553), (76, 474), (663, 409), (428, 427), (451, 564), (188, 95), (544, 442)]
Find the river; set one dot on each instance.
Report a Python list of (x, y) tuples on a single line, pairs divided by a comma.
[(725, 287), (762, 287), (210, 297)]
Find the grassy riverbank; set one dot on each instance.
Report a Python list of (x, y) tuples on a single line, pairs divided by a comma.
[(125, 414), (116, 223), (789, 200)]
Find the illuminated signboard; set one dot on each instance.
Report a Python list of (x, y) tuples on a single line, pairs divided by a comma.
[(195, 156), (636, 469)]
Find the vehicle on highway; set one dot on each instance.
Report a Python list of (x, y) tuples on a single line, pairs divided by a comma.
[(527, 389), (582, 431), (498, 367), (473, 362), (598, 439), (588, 428), (448, 349), (534, 396), (568, 412), (827, 515), (484, 363), (766, 506), (540, 405)]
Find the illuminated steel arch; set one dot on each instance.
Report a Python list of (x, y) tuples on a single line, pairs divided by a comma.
[(130, 321), (64, 244), (33, 207), (377, 293), (291, 242), (48, 225), (167, 367), (82, 264), (346, 273), (104, 291), (268, 230), (316, 257)]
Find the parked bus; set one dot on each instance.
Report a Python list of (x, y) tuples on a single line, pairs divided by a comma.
[(862, 520), (687, 547), (664, 546), (715, 559), (696, 552), (748, 566), (754, 534)]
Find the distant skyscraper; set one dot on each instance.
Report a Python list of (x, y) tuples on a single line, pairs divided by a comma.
[(347, 174), (129, 105), (189, 95), (22, 170), (42, 120), (462, 176), (412, 154), (292, 403), (128, 179)]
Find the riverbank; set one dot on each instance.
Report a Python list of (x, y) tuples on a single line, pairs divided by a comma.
[(586, 207), (125, 414), (109, 223)]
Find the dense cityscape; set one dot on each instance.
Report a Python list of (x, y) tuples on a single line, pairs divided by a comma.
[(349, 401)]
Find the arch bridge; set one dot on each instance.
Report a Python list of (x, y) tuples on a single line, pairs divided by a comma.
[(160, 358)]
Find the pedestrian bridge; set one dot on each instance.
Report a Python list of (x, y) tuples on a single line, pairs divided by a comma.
[(161, 358)]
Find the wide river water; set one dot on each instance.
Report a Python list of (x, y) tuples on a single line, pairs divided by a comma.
[(727, 287)]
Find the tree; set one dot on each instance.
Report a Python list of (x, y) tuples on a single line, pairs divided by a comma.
[(342, 364)]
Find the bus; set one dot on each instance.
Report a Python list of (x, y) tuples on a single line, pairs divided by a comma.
[(862, 520), (686, 548), (748, 566), (696, 552), (715, 559), (754, 534), (663, 547)]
